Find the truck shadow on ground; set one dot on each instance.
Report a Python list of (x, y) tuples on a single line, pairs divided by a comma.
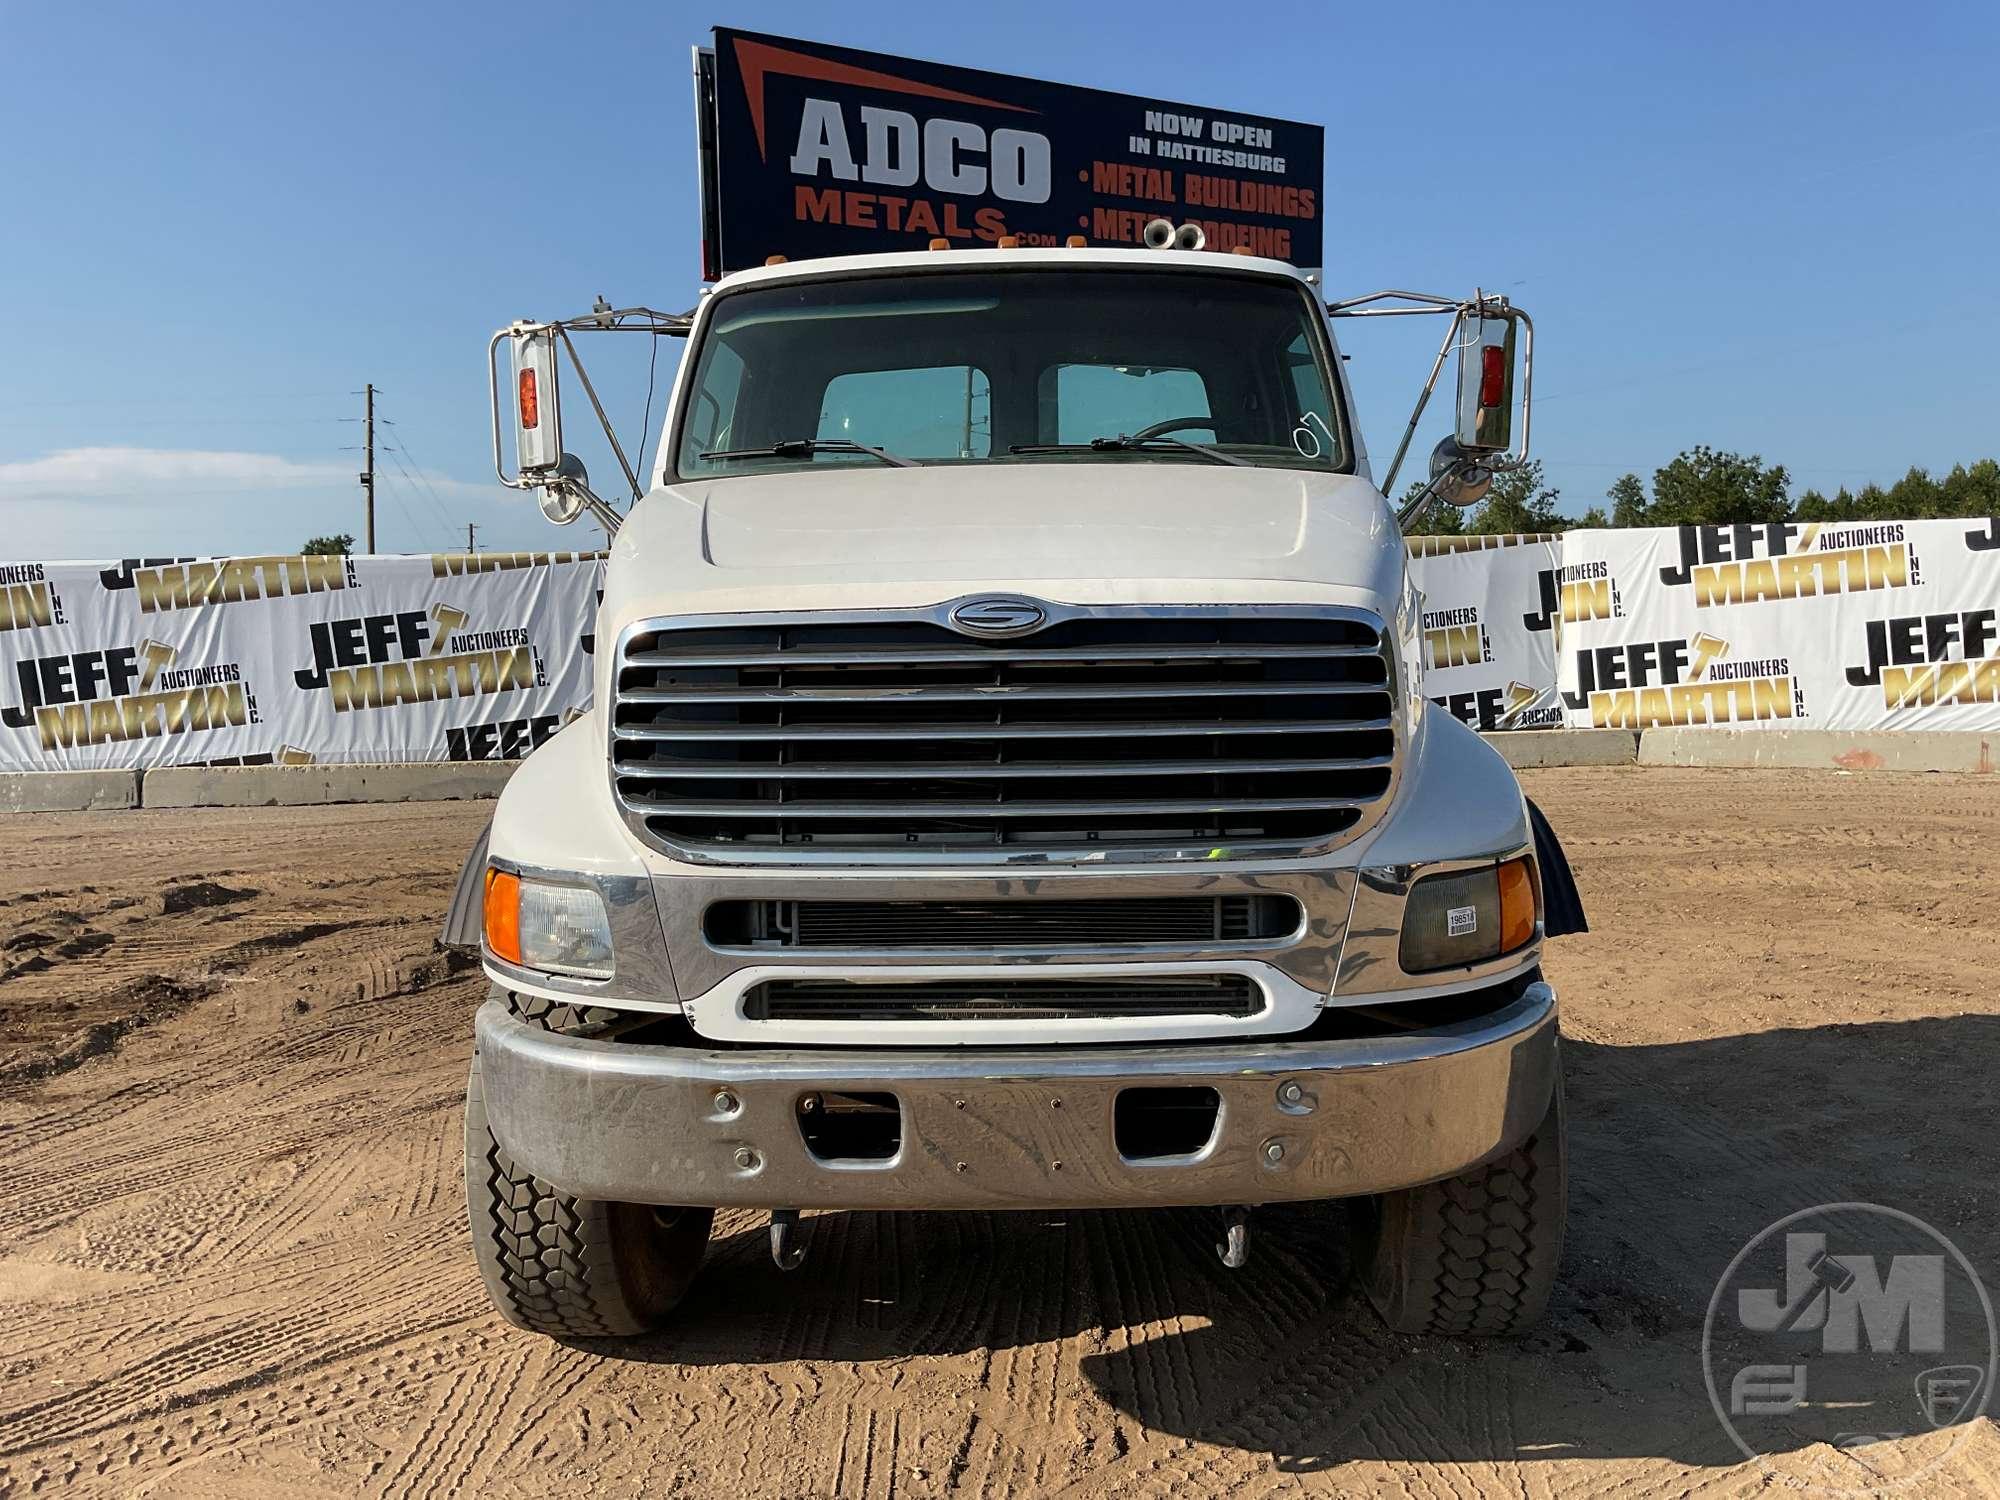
[(1680, 1154)]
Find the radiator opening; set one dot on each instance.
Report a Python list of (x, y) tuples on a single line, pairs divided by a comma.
[(1166, 922), (1154, 1124), (840, 1128), (1003, 999)]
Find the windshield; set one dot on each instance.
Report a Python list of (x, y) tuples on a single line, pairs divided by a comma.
[(977, 367)]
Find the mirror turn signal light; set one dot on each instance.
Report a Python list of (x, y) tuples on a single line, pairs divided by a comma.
[(531, 401), (1492, 375), (503, 915)]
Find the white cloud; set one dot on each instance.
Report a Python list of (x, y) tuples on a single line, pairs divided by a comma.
[(113, 474), (127, 501), (87, 474)]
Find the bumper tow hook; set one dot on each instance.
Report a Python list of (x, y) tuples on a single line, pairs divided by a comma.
[(787, 1252), (1235, 1247)]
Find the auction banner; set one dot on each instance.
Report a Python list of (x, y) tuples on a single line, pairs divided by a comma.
[(1488, 643), (811, 150), (291, 659), (1855, 625)]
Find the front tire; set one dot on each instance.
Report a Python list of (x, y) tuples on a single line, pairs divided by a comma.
[(571, 1267), (1474, 1255)]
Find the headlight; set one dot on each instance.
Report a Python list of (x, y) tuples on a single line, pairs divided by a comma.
[(561, 928), (1467, 917)]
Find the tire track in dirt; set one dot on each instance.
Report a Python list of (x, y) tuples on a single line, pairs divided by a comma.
[(303, 1314)]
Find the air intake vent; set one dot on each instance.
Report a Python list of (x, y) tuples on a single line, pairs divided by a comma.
[(1003, 999), (1180, 922), (1198, 736)]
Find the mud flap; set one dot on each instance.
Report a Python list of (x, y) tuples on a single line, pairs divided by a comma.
[(1562, 907), (465, 922)]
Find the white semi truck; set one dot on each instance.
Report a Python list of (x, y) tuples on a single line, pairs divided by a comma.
[(1009, 785)]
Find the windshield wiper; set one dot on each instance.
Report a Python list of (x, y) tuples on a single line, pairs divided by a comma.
[(1124, 444), (807, 447)]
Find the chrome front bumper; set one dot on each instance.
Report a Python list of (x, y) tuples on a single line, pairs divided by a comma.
[(1012, 1128)]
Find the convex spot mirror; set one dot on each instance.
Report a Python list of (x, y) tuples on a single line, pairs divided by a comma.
[(1456, 478), (563, 500), (1486, 384)]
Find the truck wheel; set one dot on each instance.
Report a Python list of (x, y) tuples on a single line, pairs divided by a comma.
[(571, 1267), (1472, 1255)]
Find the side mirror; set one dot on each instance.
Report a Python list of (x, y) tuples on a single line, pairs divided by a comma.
[(1457, 478), (537, 401), (1486, 385)]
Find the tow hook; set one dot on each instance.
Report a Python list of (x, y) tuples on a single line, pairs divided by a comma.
[(787, 1252), (1235, 1247)]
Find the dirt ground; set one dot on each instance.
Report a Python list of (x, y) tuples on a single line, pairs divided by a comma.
[(234, 1261)]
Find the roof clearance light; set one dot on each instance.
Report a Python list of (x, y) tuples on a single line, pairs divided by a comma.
[(1492, 374), (774, 260), (940, 243), (531, 401), (1076, 242)]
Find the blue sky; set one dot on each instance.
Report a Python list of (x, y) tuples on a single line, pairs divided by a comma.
[(1766, 227)]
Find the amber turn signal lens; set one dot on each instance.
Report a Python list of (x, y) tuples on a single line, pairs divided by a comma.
[(503, 915), (1517, 905)]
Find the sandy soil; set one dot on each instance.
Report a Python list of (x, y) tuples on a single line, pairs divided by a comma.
[(233, 1258)]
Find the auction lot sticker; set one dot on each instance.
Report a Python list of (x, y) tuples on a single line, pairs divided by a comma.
[(1848, 1348)]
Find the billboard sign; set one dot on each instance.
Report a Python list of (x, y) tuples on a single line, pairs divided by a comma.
[(810, 150)]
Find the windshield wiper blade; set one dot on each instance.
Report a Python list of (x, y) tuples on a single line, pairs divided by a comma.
[(1124, 444), (807, 447)]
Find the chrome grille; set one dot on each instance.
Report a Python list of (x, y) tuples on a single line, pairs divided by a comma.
[(1189, 735)]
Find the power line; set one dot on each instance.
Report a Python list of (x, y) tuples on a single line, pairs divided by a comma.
[(394, 491), (420, 478), (396, 459), (417, 488)]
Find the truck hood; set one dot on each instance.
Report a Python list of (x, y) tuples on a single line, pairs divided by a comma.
[(1089, 532)]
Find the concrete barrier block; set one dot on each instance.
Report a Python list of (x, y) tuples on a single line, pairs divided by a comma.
[(1823, 749), (308, 786), (68, 791), (1526, 748)]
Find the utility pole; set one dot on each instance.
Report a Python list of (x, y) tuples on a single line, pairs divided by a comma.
[(368, 473), (471, 545)]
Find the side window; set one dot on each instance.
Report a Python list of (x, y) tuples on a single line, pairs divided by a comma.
[(1089, 401), (944, 411), (708, 426)]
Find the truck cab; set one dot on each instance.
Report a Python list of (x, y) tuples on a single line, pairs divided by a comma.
[(1009, 785)]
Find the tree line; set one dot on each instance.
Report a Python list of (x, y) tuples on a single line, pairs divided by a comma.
[(1705, 487)]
